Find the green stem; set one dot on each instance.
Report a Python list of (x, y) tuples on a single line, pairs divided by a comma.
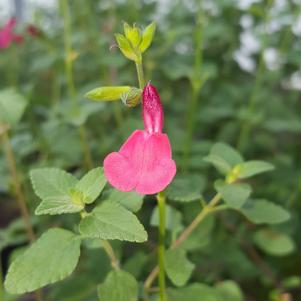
[(70, 81), (111, 254), (161, 247), (140, 74), (1, 280)]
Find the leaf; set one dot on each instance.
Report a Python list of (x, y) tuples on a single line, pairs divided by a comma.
[(12, 106), (130, 200), (92, 184), (264, 212), (235, 195), (229, 291), (118, 286), (186, 188), (55, 188), (112, 221), (147, 36), (178, 267), (251, 168), (51, 258), (274, 243), (133, 34), (125, 47), (107, 93), (223, 157)]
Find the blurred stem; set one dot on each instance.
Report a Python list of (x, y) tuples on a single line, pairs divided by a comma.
[(161, 248), (11, 161), (70, 81), (196, 83), (1, 280), (140, 74), (111, 254), (211, 207)]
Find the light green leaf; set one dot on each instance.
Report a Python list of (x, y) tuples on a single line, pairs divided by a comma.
[(223, 157), (229, 291), (251, 168), (118, 286), (12, 106), (107, 93), (273, 242), (178, 267), (51, 258), (147, 36), (125, 47), (235, 195), (92, 184), (112, 221), (133, 34), (264, 212), (130, 200), (186, 188)]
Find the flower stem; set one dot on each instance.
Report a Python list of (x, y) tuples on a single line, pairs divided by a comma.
[(111, 254), (184, 235), (161, 248), (140, 73), (70, 81)]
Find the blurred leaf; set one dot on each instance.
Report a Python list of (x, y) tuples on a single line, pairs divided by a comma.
[(274, 243), (112, 221), (229, 291), (223, 157), (147, 36), (12, 106), (235, 195), (264, 212), (92, 184), (118, 286), (57, 248), (186, 188), (251, 168), (107, 93), (178, 267)]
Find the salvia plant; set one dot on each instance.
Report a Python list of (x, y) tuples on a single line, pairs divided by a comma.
[(106, 201)]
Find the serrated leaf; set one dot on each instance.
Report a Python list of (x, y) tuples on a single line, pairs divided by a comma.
[(147, 36), (223, 157), (130, 200), (186, 188), (178, 267), (125, 47), (118, 286), (51, 258), (12, 106), (273, 242), (264, 212), (108, 93), (112, 221), (91, 184), (235, 194), (252, 168)]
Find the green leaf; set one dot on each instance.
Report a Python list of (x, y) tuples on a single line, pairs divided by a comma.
[(55, 188), (92, 184), (125, 47), (51, 258), (264, 212), (223, 157), (108, 93), (118, 286), (133, 34), (130, 200), (112, 221), (147, 36), (12, 106), (186, 188), (178, 267), (235, 195), (251, 168), (273, 242), (229, 291)]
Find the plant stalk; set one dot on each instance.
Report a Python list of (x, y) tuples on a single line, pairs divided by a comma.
[(140, 74), (111, 254)]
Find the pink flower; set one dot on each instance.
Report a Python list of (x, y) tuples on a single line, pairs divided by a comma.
[(7, 36), (144, 161)]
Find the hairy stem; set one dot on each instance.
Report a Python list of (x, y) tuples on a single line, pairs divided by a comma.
[(161, 248), (140, 74), (184, 235)]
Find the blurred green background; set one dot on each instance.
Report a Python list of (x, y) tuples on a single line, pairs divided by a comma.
[(227, 71)]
